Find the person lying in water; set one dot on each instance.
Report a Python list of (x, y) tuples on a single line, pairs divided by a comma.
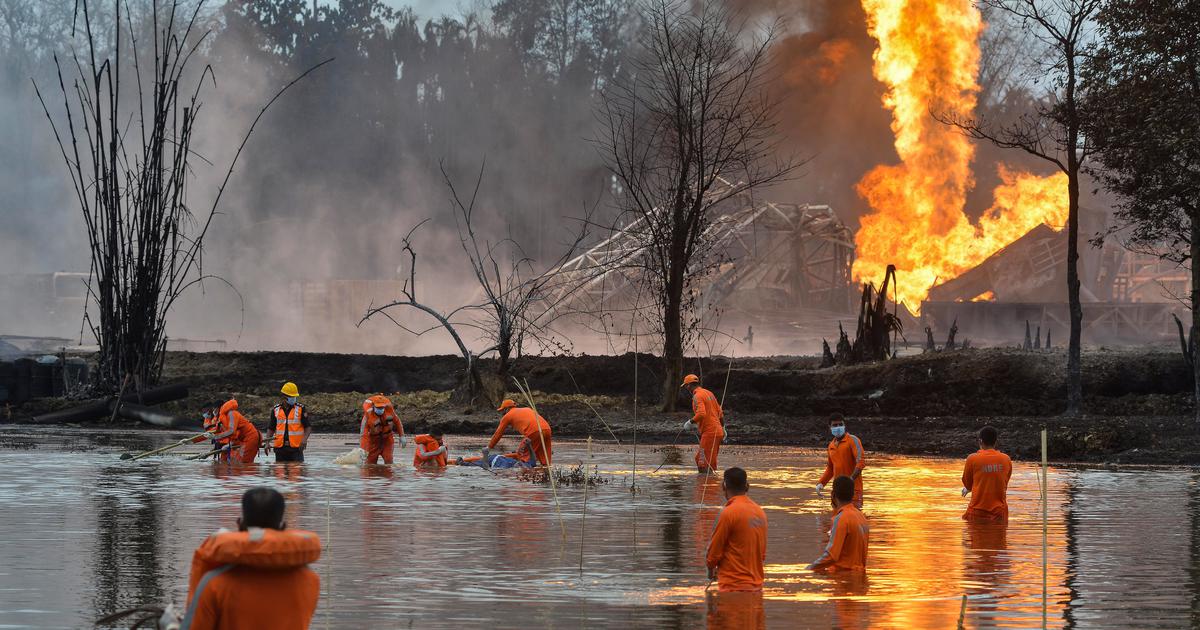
[(521, 458)]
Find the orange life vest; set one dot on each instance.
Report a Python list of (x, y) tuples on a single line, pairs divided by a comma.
[(257, 547), (291, 422)]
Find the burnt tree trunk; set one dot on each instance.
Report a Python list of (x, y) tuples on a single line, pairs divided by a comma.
[(672, 340), (1192, 338), (1074, 359)]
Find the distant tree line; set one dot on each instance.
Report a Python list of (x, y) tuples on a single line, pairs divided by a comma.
[(515, 87)]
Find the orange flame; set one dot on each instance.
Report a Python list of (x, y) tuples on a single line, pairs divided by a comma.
[(928, 57)]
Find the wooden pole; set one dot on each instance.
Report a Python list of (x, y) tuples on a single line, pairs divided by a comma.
[(633, 488), (1045, 525), (962, 613), (528, 393), (583, 519)]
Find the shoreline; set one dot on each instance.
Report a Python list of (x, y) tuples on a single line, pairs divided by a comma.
[(1138, 401)]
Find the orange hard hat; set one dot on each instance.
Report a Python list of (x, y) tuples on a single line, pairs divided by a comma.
[(689, 379), (507, 404), (379, 400)]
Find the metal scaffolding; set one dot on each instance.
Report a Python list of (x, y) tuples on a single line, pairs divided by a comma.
[(765, 258)]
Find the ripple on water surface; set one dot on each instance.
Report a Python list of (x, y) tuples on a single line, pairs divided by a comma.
[(86, 534)]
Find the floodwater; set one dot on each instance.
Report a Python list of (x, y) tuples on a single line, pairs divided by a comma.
[(85, 534)]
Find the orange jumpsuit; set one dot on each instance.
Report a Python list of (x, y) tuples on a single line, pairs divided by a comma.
[(377, 433), (709, 420), (245, 438), (846, 458), (428, 444), (532, 426), (259, 590), (986, 475), (738, 547), (848, 538)]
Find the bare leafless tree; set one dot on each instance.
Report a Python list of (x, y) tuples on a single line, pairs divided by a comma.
[(689, 126), (130, 172), (510, 311), (1063, 30)]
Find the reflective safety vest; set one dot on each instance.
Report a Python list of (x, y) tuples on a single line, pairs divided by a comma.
[(291, 423)]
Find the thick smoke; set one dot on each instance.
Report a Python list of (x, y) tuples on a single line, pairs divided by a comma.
[(346, 163)]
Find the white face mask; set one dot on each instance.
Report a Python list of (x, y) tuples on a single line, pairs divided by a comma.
[(379, 411), (292, 400)]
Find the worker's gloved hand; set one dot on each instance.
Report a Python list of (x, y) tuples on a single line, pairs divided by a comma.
[(403, 441), (688, 425), (441, 450), (227, 448), (965, 492), (820, 488), (208, 435)]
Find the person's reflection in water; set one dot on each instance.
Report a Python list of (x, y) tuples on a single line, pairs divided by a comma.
[(987, 565), (735, 610), (708, 497), (293, 473), (231, 470), (849, 590), (521, 516)]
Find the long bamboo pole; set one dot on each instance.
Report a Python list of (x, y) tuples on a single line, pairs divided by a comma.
[(633, 488), (583, 517), (1045, 526), (528, 393)]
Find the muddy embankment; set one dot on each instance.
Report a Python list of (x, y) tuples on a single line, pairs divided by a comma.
[(1137, 403)]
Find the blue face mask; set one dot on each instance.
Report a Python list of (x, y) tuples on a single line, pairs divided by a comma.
[(379, 411), (292, 400), (837, 431)]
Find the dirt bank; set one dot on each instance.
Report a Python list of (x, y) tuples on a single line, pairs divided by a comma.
[(1137, 402)]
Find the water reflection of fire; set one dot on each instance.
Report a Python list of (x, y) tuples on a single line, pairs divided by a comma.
[(928, 57)]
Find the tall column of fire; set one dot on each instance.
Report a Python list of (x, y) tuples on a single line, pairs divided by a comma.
[(928, 58)]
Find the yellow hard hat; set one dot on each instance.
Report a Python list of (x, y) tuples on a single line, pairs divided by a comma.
[(689, 379), (289, 389)]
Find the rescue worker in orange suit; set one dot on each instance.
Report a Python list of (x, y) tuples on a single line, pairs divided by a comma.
[(430, 450), (257, 577), (708, 420), (738, 547), (236, 434), (529, 424), (985, 477), (845, 457), (849, 534), (289, 430), (379, 422), (212, 425)]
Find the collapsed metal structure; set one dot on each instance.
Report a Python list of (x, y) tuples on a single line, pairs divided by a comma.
[(1126, 296), (769, 262)]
